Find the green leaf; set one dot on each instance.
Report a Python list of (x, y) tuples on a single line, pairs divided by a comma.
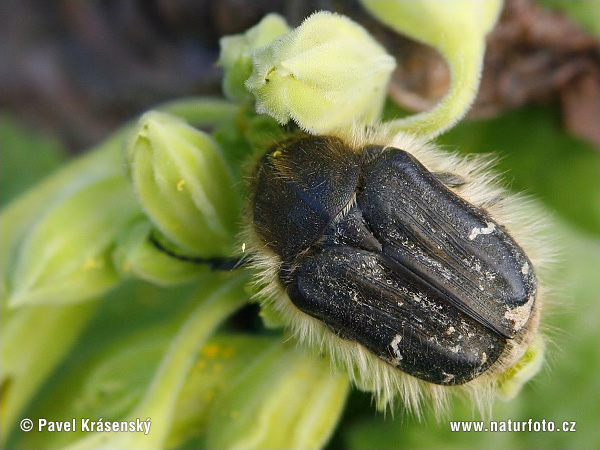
[(34, 340)]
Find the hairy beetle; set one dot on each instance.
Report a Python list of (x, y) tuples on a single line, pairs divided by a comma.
[(385, 255)]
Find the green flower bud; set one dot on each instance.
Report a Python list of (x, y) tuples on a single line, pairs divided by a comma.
[(457, 29), (57, 237), (285, 399), (325, 75), (21, 218), (184, 185), (236, 54), (135, 255), (65, 254)]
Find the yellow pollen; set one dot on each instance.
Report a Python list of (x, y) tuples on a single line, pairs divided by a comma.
[(91, 263), (211, 351)]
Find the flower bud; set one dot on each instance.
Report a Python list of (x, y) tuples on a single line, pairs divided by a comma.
[(135, 255), (182, 181), (69, 264), (325, 75), (236, 54), (65, 254), (294, 398)]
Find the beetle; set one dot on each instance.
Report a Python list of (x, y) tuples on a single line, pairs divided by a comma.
[(369, 251)]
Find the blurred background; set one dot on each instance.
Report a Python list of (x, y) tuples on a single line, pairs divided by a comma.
[(73, 71)]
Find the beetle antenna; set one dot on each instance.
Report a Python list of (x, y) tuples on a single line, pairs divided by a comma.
[(225, 264)]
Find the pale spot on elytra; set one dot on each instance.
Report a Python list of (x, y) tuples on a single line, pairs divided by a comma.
[(520, 315), (394, 344), (488, 229)]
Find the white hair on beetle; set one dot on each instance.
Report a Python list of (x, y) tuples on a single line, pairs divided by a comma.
[(524, 220)]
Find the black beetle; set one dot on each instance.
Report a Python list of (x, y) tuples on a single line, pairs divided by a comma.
[(387, 255)]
